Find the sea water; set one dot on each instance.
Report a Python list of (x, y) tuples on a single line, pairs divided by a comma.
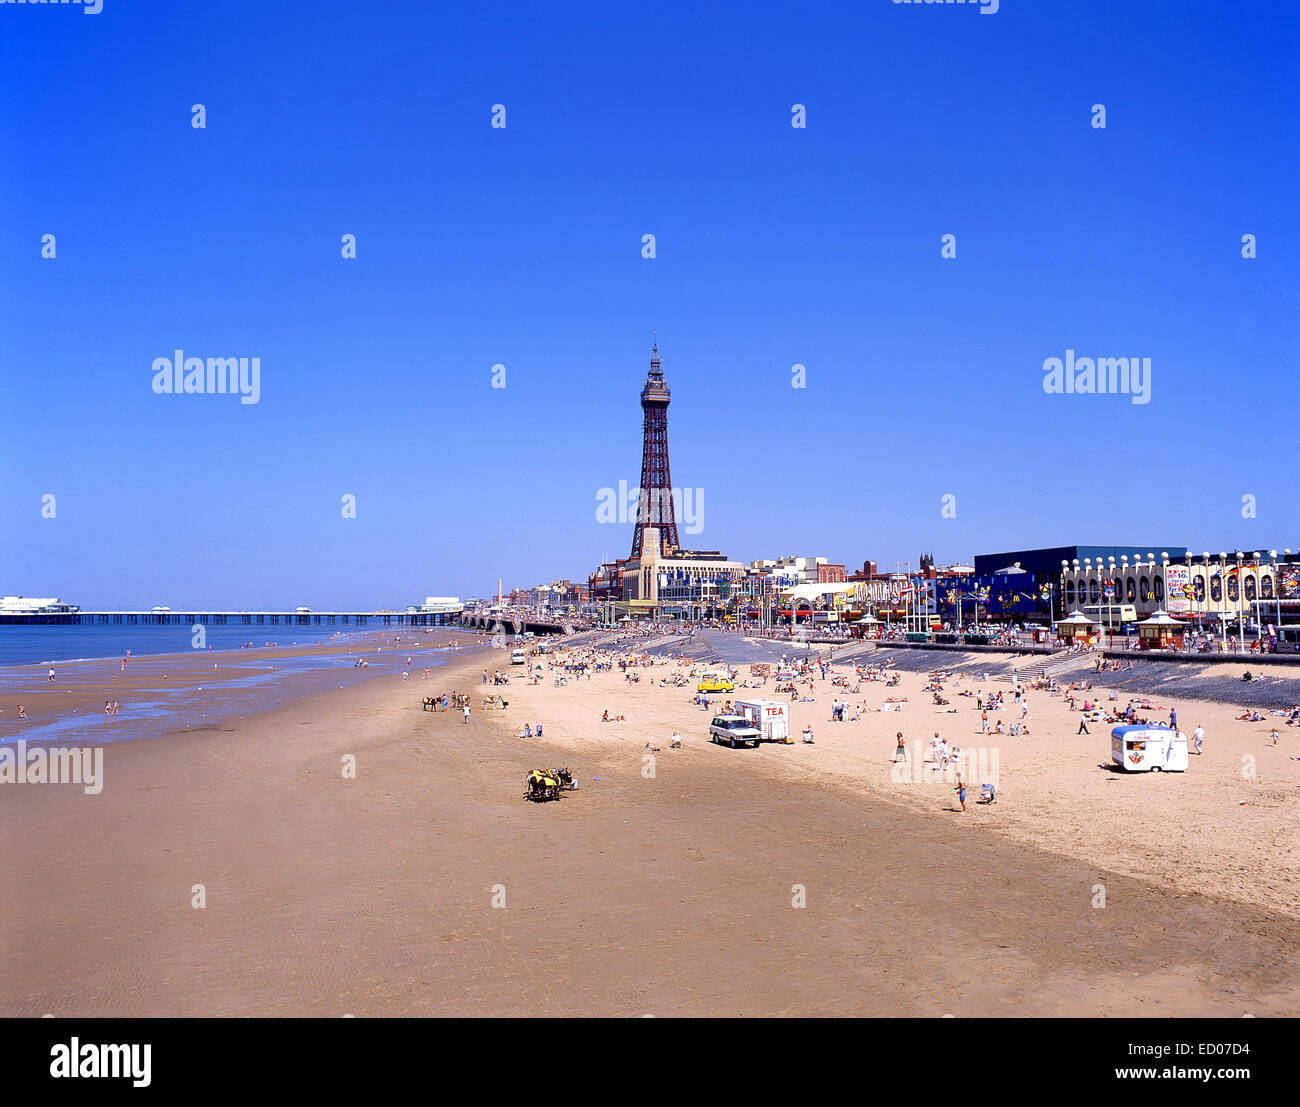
[(50, 644)]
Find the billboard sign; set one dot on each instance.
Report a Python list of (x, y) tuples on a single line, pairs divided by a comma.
[(1178, 589)]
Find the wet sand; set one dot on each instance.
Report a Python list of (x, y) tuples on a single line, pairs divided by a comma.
[(197, 688), (663, 895)]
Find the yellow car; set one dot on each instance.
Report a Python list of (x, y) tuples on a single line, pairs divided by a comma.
[(715, 682)]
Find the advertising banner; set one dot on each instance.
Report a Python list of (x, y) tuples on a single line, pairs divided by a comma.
[(1178, 590)]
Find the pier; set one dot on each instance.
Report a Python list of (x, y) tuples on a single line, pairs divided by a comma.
[(511, 624), (300, 617)]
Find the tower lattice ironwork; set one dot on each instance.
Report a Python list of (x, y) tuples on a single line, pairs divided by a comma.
[(655, 502)]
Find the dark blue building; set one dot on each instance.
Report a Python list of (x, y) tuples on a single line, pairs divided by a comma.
[(1047, 562)]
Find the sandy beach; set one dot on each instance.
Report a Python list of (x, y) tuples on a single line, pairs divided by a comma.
[(425, 885)]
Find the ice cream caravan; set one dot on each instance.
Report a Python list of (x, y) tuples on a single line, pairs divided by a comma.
[(1148, 749)]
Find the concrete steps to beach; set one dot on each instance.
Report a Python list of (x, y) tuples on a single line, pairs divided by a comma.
[(1064, 661)]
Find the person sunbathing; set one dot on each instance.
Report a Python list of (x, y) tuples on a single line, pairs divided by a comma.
[(652, 749)]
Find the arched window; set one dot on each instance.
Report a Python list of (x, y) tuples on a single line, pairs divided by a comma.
[(1198, 588), (1094, 590), (1160, 588), (1132, 590), (1119, 590), (1234, 589), (1069, 593), (1146, 589), (1250, 586), (1216, 588), (1266, 586)]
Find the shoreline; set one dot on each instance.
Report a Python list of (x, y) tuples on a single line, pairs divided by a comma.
[(357, 636), (154, 690)]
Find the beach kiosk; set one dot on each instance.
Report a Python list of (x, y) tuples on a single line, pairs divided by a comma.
[(1148, 749), (1077, 627), (1160, 632), (867, 627), (769, 716)]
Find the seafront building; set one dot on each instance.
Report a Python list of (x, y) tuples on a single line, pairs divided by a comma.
[(1214, 588), (1111, 584)]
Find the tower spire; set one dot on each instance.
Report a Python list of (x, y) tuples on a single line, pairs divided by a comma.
[(655, 503)]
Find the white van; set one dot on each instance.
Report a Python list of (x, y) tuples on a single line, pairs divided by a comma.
[(770, 717), (1148, 749), (517, 657)]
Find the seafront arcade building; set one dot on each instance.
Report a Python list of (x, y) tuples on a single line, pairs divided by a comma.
[(1207, 589)]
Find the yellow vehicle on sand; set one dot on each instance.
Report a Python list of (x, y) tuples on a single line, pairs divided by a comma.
[(715, 680)]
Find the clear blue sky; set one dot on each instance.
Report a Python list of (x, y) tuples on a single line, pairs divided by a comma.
[(522, 246)]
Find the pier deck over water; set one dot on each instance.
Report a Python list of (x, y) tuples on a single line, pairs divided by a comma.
[(233, 618)]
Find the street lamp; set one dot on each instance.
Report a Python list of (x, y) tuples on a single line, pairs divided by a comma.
[(1223, 597), (1277, 592), (1065, 567)]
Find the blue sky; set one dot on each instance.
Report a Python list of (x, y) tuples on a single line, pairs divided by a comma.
[(522, 247)]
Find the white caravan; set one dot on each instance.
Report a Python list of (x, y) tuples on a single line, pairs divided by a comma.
[(1148, 749)]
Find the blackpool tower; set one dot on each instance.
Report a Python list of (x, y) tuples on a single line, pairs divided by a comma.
[(655, 503)]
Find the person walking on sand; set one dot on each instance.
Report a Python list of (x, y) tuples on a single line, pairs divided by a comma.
[(467, 713), (51, 674), (961, 793), (900, 748), (1198, 736), (1173, 718), (1083, 726)]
